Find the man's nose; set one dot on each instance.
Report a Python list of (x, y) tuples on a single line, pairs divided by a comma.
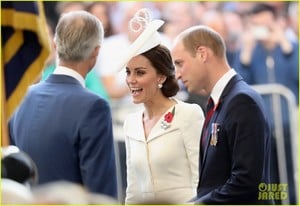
[(177, 74)]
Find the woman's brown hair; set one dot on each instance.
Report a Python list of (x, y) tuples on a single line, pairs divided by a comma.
[(161, 60)]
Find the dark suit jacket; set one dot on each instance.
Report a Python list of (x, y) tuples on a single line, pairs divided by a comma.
[(67, 131), (231, 171)]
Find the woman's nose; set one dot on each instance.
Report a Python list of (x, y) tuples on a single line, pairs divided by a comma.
[(131, 79)]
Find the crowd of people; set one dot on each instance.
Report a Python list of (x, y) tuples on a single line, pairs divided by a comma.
[(140, 77), (233, 21)]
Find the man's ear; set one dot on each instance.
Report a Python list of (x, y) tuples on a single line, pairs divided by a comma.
[(202, 53), (96, 51), (54, 44)]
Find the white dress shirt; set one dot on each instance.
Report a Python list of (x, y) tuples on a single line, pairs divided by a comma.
[(60, 70), (221, 84)]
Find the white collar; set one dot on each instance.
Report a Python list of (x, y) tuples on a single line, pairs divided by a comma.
[(60, 70), (221, 84)]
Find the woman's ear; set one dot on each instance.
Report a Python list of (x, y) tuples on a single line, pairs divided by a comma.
[(162, 79)]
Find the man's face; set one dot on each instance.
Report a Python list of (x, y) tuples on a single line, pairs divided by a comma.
[(260, 25), (189, 69)]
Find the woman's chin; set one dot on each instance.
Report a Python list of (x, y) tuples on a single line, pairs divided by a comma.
[(136, 100)]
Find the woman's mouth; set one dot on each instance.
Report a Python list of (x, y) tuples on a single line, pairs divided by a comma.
[(136, 91)]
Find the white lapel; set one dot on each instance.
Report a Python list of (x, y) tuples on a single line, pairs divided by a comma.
[(158, 130), (135, 128)]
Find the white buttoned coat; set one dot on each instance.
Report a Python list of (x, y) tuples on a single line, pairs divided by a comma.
[(163, 167)]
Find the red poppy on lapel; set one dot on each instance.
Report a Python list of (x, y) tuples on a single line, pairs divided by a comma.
[(168, 118)]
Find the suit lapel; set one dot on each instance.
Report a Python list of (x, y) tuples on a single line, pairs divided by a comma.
[(226, 91)]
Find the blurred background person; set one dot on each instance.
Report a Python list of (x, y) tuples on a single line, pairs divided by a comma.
[(268, 56), (234, 26), (178, 16), (68, 6), (65, 192), (18, 166), (292, 31), (63, 127), (102, 11), (18, 176), (15, 193)]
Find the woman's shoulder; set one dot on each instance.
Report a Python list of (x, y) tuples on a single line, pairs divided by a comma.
[(186, 111), (188, 107)]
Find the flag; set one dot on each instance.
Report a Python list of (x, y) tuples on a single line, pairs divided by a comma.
[(25, 48)]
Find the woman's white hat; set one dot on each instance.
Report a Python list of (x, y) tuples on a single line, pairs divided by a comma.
[(148, 39)]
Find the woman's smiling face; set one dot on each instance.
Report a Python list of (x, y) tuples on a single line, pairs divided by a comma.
[(142, 79)]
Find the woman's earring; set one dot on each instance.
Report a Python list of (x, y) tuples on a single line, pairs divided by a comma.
[(160, 85)]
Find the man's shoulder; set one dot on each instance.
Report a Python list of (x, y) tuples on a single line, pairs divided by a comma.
[(88, 97)]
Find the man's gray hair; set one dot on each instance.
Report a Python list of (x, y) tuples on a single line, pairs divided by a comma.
[(77, 34)]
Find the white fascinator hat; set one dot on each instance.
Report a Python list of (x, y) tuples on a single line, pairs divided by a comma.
[(148, 37)]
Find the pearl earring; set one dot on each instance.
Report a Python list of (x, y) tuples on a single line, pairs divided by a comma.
[(160, 85)]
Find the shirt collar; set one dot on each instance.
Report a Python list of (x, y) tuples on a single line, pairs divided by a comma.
[(221, 84), (60, 70)]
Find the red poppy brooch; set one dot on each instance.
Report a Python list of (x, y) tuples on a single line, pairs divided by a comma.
[(168, 118)]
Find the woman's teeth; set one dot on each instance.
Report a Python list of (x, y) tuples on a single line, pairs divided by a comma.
[(136, 90)]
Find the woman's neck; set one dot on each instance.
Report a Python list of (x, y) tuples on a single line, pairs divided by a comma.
[(157, 107)]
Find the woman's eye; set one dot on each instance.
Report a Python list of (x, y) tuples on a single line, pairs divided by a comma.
[(140, 73)]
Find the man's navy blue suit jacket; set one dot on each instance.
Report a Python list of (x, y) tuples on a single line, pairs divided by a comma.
[(67, 131), (231, 170)]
